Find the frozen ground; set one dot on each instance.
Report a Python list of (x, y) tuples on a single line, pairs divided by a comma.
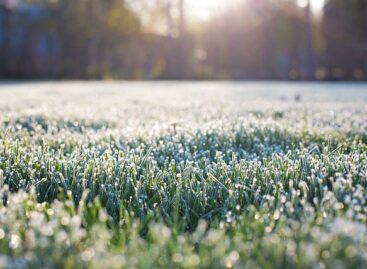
[(183, 175)]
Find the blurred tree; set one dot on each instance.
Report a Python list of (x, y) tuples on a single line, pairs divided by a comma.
[(172, 50), (151, 39), (6, 29), (258, 40), (344, 27), (309, 62), (80, 39), (98, 38)]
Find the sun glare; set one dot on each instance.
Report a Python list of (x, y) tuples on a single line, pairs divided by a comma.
[(204, 9), (317, 4)]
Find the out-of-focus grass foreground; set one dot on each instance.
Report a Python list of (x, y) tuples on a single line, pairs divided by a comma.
[(176, 176)]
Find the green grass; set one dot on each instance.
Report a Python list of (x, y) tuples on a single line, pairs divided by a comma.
[(110, 178)]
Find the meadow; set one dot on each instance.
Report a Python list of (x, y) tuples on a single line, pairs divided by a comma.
[(183, 175)]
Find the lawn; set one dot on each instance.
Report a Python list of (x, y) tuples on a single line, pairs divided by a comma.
[(183, 175)]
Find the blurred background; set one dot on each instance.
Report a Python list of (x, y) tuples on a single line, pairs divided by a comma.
[(184, 39)]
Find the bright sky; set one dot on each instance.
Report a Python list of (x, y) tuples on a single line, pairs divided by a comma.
[(202, 9)]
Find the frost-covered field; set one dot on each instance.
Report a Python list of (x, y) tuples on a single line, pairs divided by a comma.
[(183, 175)]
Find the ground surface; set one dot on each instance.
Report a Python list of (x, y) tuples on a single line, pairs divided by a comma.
[(183, 175)]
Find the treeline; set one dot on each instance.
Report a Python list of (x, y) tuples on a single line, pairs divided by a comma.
[(141, 39)]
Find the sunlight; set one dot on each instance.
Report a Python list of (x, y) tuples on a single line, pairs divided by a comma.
[(204, 9), (318, 4)]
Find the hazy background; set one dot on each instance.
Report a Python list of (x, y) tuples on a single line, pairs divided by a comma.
[(184, 39)]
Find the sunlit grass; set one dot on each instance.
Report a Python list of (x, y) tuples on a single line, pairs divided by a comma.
[(121, 179)]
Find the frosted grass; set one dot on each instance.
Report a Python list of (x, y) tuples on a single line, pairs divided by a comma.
[(183, 175)]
